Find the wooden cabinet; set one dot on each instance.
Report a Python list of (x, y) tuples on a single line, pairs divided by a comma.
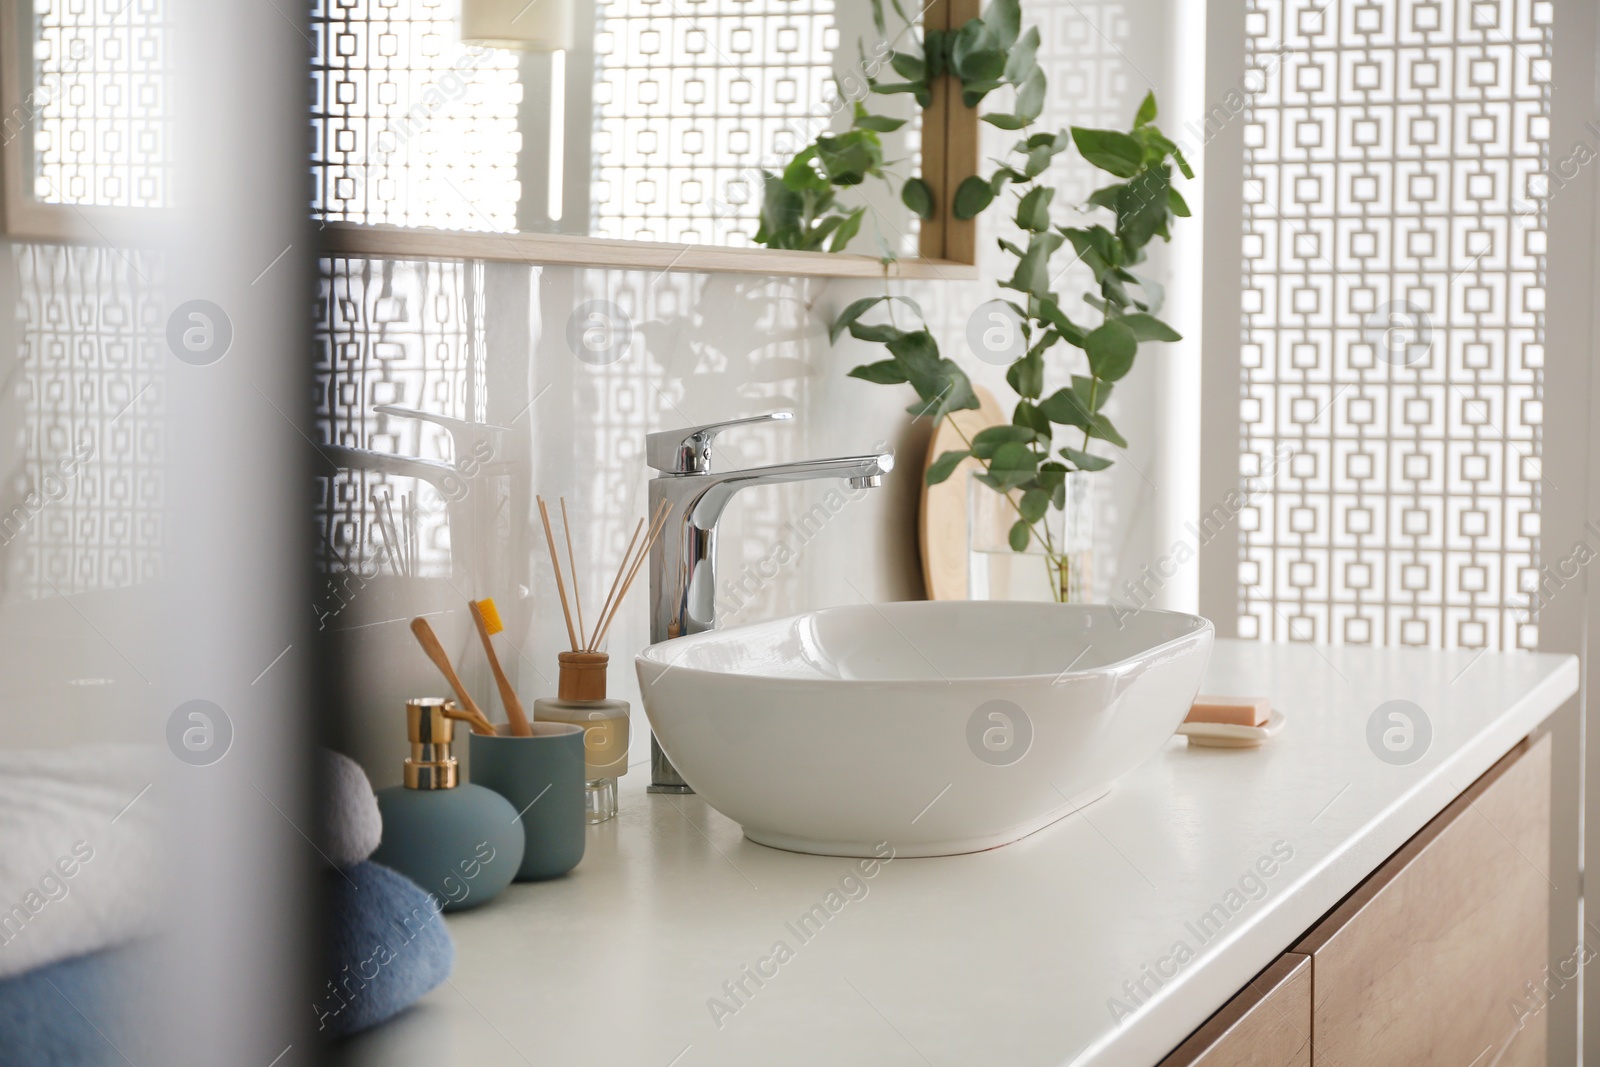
[(1421, 964), (1266, 1025), (1428, 962)]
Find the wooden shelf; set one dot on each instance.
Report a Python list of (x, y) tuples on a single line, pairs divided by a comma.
[(549, 249)]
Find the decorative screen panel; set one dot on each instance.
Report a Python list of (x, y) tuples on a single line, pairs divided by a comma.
[(91, 350), (1393, 332), (96, 105), (692, 102), (411, 127)]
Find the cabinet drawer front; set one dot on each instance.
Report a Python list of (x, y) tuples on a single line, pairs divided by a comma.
[(1424, 962), (1268, 1024)]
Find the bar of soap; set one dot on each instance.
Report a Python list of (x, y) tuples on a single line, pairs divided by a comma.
[(1234, 711)]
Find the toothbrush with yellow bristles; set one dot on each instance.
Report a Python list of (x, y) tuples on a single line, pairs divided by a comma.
[(487, 619)]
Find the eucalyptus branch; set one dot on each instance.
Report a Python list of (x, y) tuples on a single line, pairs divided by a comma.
[(800, 209)]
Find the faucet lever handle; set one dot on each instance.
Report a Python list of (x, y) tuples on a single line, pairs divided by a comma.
[(688, 450), (465, 436)]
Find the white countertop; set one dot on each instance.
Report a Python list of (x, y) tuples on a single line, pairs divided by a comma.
[(1003, 957)]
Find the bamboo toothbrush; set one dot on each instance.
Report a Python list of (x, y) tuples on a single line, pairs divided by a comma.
[(487, 619), (430, 644)]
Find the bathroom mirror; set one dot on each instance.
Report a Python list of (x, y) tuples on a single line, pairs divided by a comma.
[(640, 144)]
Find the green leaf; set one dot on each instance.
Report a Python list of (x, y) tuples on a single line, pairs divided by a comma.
[(941, 385), (973, 92), (1142, 207), (1013, 464), (1092, 393), (1019, 536), (1033, 505), (917, 195), (1177, 204), (998, 182), (847, 229), (1085, 461), (1183, 164), (1028, 414), (1097, 247), (1051, 312), (972, 196), (1004, 17), (1149, 328), (1033, 269), (1101, 427), (1033, 213), (877, 332), (1111, 348), (1067, 408), (1004, 121), (935, 52), (1106, 198), (865, 120), (989, 441), (941, 468), (849, 157), (1023, 59), (977, 55), (884, 372), (1026, 374), (1109, 150), (850, 314), (801, 173), (1030, 96), (1154, 292), (1147, 111), (909, 67)]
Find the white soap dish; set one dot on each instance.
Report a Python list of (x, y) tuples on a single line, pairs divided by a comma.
[(1228, 735)]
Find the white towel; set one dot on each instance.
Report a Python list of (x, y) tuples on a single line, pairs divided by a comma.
[(78, 852)]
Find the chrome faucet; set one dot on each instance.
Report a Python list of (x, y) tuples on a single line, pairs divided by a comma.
[(683, 561)]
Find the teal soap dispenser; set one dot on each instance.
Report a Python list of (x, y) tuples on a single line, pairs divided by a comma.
[(461, 842)]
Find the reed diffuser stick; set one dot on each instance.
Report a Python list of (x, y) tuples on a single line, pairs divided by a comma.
[(572, 565), (626, 555), (555, 561), (656, 526)]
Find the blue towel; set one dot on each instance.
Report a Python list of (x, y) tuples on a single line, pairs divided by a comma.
[(388, 946), (76, 1013)]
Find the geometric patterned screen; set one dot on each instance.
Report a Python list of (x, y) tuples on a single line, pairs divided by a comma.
[(89, 382), (1392, 360), (410, 126), (95, 103), (690, 104)]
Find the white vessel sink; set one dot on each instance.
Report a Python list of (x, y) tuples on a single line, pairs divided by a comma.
[(936, 727)]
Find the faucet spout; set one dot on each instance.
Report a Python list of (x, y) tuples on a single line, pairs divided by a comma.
[(705, 499), (683, 561)]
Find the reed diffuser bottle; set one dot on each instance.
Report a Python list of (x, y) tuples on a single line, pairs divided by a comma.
[(581, 689), (581, 700)]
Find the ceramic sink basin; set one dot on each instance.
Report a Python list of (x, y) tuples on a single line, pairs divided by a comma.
[(937, 727)]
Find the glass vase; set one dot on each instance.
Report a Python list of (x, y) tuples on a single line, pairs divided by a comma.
[(1057, 563)]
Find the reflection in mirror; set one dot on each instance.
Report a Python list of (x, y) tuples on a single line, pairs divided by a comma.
[(656, 125)]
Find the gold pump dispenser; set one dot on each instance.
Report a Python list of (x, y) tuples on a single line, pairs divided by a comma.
[(430, 765)]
